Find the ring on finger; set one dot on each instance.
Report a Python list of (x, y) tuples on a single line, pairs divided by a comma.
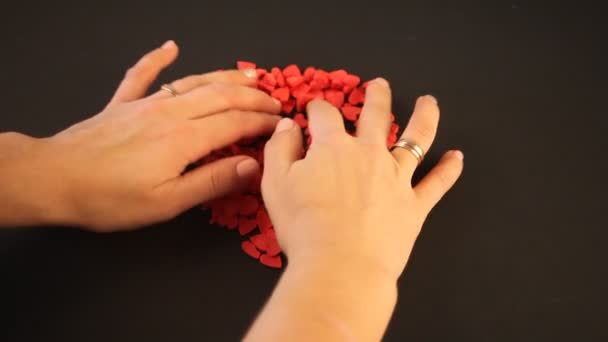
[(170, 89), (412, 147)]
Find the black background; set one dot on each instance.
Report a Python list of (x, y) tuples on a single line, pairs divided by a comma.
[(514, 253)]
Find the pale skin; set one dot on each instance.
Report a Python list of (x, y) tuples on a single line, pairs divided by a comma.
[(346, 213)]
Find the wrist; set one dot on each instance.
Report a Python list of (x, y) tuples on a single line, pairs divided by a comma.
[(31, 190), (345, 265), (350, 301), (351, 253)]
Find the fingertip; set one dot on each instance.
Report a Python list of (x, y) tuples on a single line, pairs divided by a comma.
[(381, 82), (277, 104), (284, 125), (432, 99), (316, 103), (428, 99), (283, 148), (453, 158), (250, 73), (248, 168), (454, 162), (427, 107), (440, 178), (457, 154), (169, 44), (140, 76), (171, 51)]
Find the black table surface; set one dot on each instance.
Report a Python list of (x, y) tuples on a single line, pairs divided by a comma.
[(514, 253)]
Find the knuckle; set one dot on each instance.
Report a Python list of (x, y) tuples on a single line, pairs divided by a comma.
[(142, 67), (233, 76), (255, 98), (136, 74), (152, 107), (377, 152), (133, 72), (217, 88), (146, 61), (377, 159), (138, 70), (222, 92), (335, 139), (183, 129), (445, 177), (149, 108), (13, 137), (214, 180), (10, 135), (424, 131), (186, 83)]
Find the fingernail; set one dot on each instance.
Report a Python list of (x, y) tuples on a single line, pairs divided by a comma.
[(277, 102), (251, 73), (432, 98), (168, 44), (458, 154), (284, 124), (247, 168), (381, 81)]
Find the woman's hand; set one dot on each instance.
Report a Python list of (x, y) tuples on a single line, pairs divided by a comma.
[(124, 167), (347, 217), (350, 200)]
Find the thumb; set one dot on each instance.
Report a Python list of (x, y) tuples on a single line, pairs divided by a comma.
[(214, 180), (283, 149)]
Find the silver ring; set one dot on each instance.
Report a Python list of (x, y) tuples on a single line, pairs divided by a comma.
[(169, 88), (414, 149)]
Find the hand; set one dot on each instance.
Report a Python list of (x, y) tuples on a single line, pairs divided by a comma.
[(347, 217), (124, 167), (350, 201)]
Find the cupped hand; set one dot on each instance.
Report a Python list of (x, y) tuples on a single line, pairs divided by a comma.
[(125, 167), (350, 201)]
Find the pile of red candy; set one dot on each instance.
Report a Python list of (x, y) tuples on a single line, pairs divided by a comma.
[(294, 89)]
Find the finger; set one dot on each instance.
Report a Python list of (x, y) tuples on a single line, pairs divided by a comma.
[(420, 130), (245, 77), (213, 180), (324, 120), (375, 120), (217, 97), (139, 77), (440, 179), (221, 130), (282, 150)]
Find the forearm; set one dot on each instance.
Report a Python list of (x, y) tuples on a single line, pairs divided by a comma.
[(26, 195), (327, 302)]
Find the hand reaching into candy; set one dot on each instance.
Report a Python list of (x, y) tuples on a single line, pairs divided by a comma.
[(295, 89), (347, 217), (124, 167)]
